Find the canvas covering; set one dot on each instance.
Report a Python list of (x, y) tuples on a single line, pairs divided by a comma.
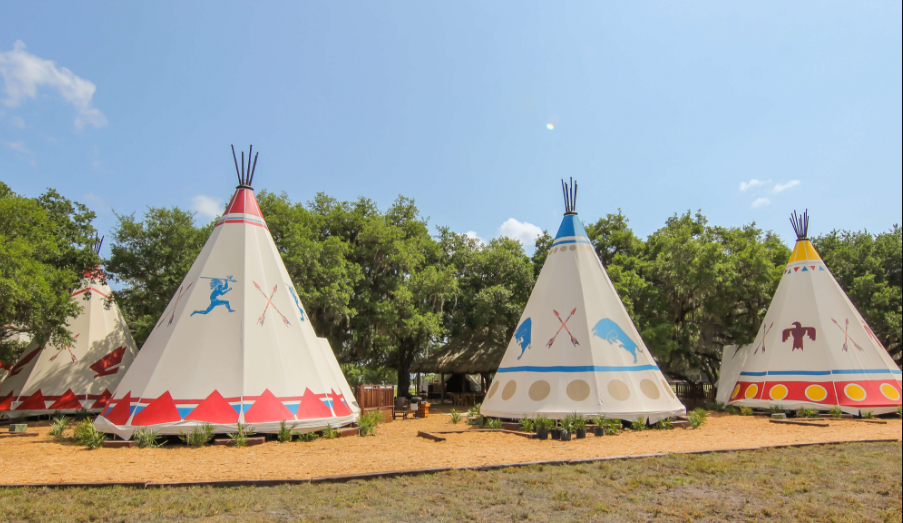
[(48, 379), (576, 350), (813, 349), (233, 346)]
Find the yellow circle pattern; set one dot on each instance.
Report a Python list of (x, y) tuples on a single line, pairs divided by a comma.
[(854, 392), (751, 391), (736, 391), (778, 392), (890, 392), (816, 393)]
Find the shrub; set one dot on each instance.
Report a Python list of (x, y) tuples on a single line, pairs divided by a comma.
[(493, 423), (612, 426), (804, 412), (578, 421), (329, 432), (368, 423), (147, 439), (543, 423), (664, 424), (697, 418), (85, 433), (867, 414), (776, 410), (639, 424), (240, 436), (900, 411), (716, 406), (526, 425), (836, 412), (455, 416), (199, 436), (285, 434), (308, 436), (59, 426), (746, 411), (474, 411)]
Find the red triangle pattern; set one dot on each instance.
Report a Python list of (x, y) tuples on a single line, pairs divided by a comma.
[(7, 402), (244, 202), (161, 410), (67, 401), (119, 415), (103, 400), (796, 269), (33, 402), (214, 409), (268, 408), (311, 407), (339, 406)]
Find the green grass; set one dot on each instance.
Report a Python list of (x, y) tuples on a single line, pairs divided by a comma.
[(833, 483)]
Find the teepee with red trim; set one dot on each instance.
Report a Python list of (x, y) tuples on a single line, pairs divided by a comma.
[(814, 349), (234, 344), (81, 376)]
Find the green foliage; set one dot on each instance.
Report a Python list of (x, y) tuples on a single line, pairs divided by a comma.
[(639, 424), (775, 409), (147, 438), (369, 374), (86, 434), (804, 412), (199, 436), (867, 414), (474, 411), (716, 406), (368, 423), (58, 426), (836, 412), (150, 257), (329, 432), (746, 411), (664, 424), (541, 422), (455, 416), (45, 249), (578, 421), (612, 426), (240, 436), (900, 412), (697, 418), (285, 434), (493, 423), (526, 425), (308, 436)]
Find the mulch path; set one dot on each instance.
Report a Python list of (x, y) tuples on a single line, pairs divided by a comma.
[(395, 447)]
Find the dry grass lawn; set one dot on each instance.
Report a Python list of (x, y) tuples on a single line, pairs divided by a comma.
[(847, 482)]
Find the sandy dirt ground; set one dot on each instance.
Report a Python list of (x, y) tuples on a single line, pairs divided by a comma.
[(395, 447)]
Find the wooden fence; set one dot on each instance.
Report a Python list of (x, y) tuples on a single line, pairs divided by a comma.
[(693, 394), (376, 398)]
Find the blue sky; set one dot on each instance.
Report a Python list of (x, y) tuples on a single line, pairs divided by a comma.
[(746, 111)]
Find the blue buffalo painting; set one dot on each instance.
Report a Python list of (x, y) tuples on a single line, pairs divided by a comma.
[(523, 336), (611, 332)]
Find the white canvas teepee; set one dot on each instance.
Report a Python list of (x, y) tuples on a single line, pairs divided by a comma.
[(576, 349), (234, 345), (813, 349), (48, 379)]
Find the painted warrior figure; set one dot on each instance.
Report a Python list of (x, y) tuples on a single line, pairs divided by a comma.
[(798, 332)]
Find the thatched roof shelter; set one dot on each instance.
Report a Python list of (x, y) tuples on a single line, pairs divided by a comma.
[(467, 354)]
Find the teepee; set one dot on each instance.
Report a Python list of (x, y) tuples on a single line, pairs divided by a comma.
[(813, 350), (234, 345), (48, 379), (576, 349)]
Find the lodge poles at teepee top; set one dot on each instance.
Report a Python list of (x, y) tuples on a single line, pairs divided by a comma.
[(800, 223), (570, 196), (245, 177), (97, 244)]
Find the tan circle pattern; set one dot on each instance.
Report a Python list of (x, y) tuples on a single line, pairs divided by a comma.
[(493, 389), (573, 247), (619, 390), (540, 390), (578, 390), (509, 390), (650, 390)]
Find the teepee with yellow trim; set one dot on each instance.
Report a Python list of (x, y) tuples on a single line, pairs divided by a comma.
[(813, 349)]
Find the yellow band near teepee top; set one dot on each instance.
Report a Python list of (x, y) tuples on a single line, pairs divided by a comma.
[(802, 251)]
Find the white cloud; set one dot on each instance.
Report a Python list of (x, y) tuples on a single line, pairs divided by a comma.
[(760, 202), (474, 236), (784, 186), (24, 72), (752, 183), (207, 206), (18, 122), (94, 199), (523, 231), (19, 146)]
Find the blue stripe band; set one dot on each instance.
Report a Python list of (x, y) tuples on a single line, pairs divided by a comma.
[(571, 241), (586, 368)]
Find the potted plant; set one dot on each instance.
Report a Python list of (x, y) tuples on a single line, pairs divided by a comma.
[(578, 424), (565, 434), (542, 425), (599, 428)]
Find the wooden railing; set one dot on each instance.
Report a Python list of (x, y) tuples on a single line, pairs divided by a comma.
[(376, 398)]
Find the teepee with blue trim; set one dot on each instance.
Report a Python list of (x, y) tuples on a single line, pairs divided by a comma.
[(813, 349), (576, 348), (234, 344)]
